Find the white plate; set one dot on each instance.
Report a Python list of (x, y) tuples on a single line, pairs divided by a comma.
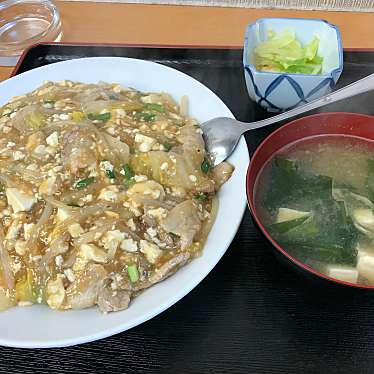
[(39, 326)]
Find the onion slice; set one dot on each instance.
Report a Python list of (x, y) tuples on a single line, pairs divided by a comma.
[(47, 211), (5, 262)]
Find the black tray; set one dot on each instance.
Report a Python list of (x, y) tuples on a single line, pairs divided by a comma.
[(251, 314)]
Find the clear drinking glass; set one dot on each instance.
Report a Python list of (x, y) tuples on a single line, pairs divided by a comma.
[(24, 23)]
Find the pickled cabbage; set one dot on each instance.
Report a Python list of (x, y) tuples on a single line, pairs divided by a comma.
[(282, 52)]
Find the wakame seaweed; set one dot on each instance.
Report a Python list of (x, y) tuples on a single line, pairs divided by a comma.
[(281, 227), (328, 234), (290, 185)]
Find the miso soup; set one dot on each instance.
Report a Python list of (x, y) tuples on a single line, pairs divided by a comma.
[(316, 199)]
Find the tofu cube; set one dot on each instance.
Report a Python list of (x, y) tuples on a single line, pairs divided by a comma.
[(55, 293), (75, 230), (150, 250), (112, 239), (91, 252), (20, 247), (52, 139), (343, 273), (62, 214), (365, 267), (19, 201), (129, 245), (27, 230), (145, 143), (109, 194), (48, 186)]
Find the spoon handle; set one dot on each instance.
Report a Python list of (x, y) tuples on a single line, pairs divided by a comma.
[(356, 88)]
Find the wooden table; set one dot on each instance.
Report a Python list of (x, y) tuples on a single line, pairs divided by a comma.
[(187, 25)]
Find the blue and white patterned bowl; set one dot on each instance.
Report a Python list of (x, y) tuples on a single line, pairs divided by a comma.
[(281, 91)]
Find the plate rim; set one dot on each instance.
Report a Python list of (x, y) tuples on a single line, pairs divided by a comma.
[(146, 316)]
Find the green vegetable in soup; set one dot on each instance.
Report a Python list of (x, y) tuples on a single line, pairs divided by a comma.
[(285, 226), (309, 220), (294, 189)]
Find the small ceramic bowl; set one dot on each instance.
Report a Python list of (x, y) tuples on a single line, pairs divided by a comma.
[(282, 91)]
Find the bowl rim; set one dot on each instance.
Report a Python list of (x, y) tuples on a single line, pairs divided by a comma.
[(330, 74), (258, 222)]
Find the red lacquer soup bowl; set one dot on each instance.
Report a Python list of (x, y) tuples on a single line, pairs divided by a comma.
[(345, 124)]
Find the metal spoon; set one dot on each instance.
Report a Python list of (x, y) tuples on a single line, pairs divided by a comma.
[(222, 134)]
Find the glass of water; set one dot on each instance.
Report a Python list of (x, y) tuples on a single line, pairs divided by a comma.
[(24, 23)]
